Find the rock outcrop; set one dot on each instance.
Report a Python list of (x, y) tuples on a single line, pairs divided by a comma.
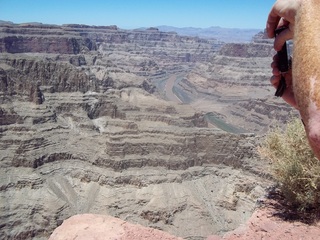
[(100, 227), (146, 126), (263, 224)]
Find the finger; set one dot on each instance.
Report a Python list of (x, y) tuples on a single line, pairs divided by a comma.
[(274, 18), (276, 71), (282, 38), (274, 64), (274, 80), (281, 10), (272, 22), (288, 96)]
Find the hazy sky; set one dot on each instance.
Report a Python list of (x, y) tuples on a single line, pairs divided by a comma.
[(140, 13)]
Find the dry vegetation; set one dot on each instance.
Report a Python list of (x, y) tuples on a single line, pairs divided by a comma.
[(294, 167)]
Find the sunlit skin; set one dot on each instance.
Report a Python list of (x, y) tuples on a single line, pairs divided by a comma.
[(303, 92), (282, 9)]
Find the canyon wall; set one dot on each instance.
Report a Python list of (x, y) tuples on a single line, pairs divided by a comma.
[(124, 123)]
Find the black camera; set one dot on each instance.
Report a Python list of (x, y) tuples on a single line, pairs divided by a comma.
[(284, 63)]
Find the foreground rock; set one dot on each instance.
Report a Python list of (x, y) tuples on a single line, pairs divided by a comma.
[(266, 224), (263, 224), (100, 227)]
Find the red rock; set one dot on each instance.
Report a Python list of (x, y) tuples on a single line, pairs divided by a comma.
[(264, 225), (102, 227)]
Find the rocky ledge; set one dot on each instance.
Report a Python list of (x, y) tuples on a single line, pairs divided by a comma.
[(263, 224), (100, 227)]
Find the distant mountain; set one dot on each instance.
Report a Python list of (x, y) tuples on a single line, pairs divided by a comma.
[(5, 22), (221, 34)]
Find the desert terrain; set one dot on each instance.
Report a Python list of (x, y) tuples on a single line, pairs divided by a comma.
[(151, 127)]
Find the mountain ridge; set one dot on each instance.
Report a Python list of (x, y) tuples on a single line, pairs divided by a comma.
[(222, 34)]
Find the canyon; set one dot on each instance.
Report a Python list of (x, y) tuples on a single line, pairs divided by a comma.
[(151, 127)]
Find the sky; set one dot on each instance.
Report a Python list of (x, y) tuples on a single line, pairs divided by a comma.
[(129, 14)]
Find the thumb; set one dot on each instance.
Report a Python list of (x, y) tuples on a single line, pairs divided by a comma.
[(285, 35)]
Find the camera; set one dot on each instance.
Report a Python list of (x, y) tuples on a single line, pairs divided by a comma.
[(284, 62)]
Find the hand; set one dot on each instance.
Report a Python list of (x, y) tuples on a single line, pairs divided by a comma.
[(282, 13), (288, 94)]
